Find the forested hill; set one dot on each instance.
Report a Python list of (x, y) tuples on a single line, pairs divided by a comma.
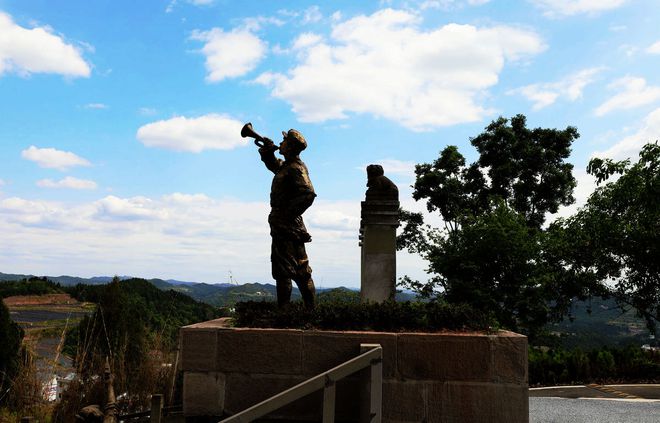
[(163, 311)]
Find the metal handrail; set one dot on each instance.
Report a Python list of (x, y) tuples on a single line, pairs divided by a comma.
[(371, 357)]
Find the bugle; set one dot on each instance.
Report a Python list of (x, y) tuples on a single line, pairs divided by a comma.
[(259, 141)]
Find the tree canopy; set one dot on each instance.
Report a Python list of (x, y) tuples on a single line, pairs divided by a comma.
[(489, 252), (611, 244)]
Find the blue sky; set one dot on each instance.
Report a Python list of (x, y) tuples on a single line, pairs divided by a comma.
[(119, 137)]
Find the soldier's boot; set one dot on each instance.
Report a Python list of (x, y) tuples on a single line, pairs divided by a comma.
[(308, 292), (283, 291)]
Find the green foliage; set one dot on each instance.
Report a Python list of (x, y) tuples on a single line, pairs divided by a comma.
[(11, 336), (490, 252), (386, 317), (559, 366), (611, 245), (133, 321), (338, 295), (523, 167), (29, 286)]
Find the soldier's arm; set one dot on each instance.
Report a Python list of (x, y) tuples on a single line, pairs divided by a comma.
[(300, 203), (267, 153), (304, 192)]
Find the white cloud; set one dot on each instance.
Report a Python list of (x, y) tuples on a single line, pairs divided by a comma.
[(654, 48), (448, 4), (97, 106), (2, 182), (253, 24), (201, 2), (574, 7), (385, 65), (312, 15), (135, 208), (53, 159), (626, 148), (37, 50), (230, 54), (181, 236), (69, 182), (306, 40), (630, 146), (208, 132), (570, 87), (633, 93)]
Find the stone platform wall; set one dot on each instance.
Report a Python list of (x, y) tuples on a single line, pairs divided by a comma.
[(427, 377)]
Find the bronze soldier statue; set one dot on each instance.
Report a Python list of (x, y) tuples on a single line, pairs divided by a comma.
[(291, 194)]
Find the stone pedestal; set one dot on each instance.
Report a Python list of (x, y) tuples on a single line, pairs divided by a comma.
[(380, 218), (427, 377)]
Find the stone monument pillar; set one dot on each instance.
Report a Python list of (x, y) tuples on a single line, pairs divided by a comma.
[(380, 218)]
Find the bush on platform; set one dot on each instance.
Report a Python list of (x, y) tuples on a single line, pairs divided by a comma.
[(386, 317)]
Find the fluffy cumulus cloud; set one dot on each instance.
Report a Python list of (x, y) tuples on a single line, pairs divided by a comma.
[(575, 7), (184, 236), (69, 182), (230, 54), (387, 66), (571, 88), (53, 159), (208, 132), (629, 146), (38, 50), (633, 92)]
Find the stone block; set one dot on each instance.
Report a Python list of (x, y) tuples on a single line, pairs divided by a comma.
[(444, 357), (475, 402), (404, 401), (269, 351), (323, 350), (198, 349), (509, 358), (203, 393)]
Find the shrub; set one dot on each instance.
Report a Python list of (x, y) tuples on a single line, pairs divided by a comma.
[(385, 317)]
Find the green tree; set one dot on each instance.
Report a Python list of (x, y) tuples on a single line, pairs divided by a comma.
[(611, 245), (11, 336), (489, 253)]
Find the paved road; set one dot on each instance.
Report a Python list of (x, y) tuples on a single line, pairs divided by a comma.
[(595, 403), (561, 410)]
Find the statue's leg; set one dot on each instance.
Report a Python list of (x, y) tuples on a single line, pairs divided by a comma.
[(303, 277), (281, 270), (308, 291), (283, 291)]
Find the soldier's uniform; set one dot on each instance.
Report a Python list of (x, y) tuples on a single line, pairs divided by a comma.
[(290, 195)]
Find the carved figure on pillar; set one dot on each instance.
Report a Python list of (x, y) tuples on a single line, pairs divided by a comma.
[(291, 194), (379, 186), (380, 218)]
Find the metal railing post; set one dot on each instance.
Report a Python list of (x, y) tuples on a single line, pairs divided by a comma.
[(371, 392), (329, 401)]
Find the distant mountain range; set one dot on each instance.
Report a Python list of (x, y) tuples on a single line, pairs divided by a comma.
[(215, 294)]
